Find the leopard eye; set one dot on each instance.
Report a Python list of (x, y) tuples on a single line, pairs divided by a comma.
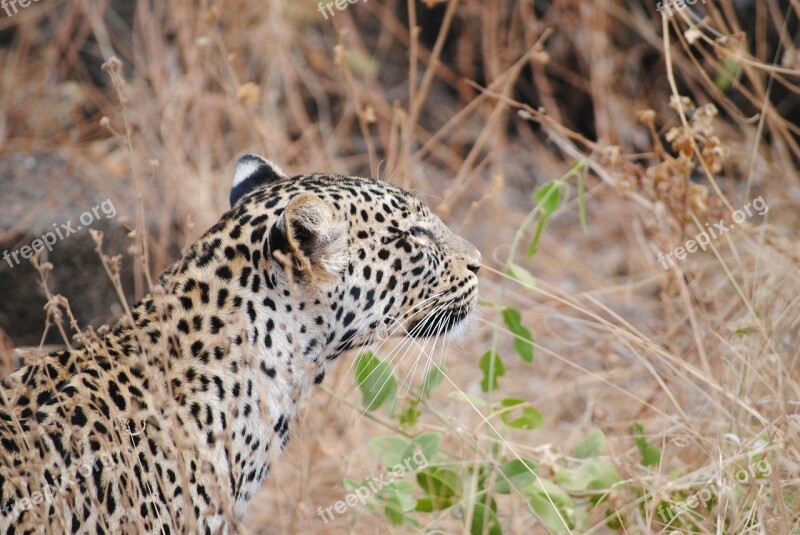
[(418, 232)]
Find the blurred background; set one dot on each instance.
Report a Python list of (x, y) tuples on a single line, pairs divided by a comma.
[(576, 143)]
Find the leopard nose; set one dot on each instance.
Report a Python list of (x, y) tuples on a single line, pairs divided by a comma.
[(474, 261), (468, 254)]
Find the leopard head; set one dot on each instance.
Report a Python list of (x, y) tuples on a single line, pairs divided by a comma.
[(374, 257)]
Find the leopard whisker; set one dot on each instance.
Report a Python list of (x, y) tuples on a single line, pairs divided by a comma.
[(435, 317), (440, 331), (414, 310), (425, 303), (406, 346)]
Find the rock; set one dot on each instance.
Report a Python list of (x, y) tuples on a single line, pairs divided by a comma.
[(47, 203)]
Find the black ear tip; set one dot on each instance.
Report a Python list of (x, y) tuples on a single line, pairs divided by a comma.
[(247, 166), (253, 171), (251, 159)]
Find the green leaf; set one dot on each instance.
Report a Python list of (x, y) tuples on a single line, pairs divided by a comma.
[(427, 505), (433, 378), (592, 445), (425, 446), (527, 418), (403, 492), (409, 416), (523, 341), (614, 520), (390, 450), (441, 487), (533, 248), (376, 381), (393, 509), (604, 474), (666, 512), (492, 366), (518, 475), (730, 69), (484, 521), (547, 197), (552, 504), (593, 474), (651, 456), (521, 274)]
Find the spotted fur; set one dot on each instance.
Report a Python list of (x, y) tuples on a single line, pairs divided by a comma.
[(169, 420)]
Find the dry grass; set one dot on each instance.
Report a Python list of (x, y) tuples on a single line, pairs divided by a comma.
[(506, 97)]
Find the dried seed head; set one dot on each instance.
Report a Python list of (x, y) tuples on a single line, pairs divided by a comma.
[(646, 117)]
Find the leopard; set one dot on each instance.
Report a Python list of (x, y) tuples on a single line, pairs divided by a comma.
[(169, 419)]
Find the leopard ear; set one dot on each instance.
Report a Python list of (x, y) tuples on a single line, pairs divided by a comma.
[(253, 172), (312, 235)]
